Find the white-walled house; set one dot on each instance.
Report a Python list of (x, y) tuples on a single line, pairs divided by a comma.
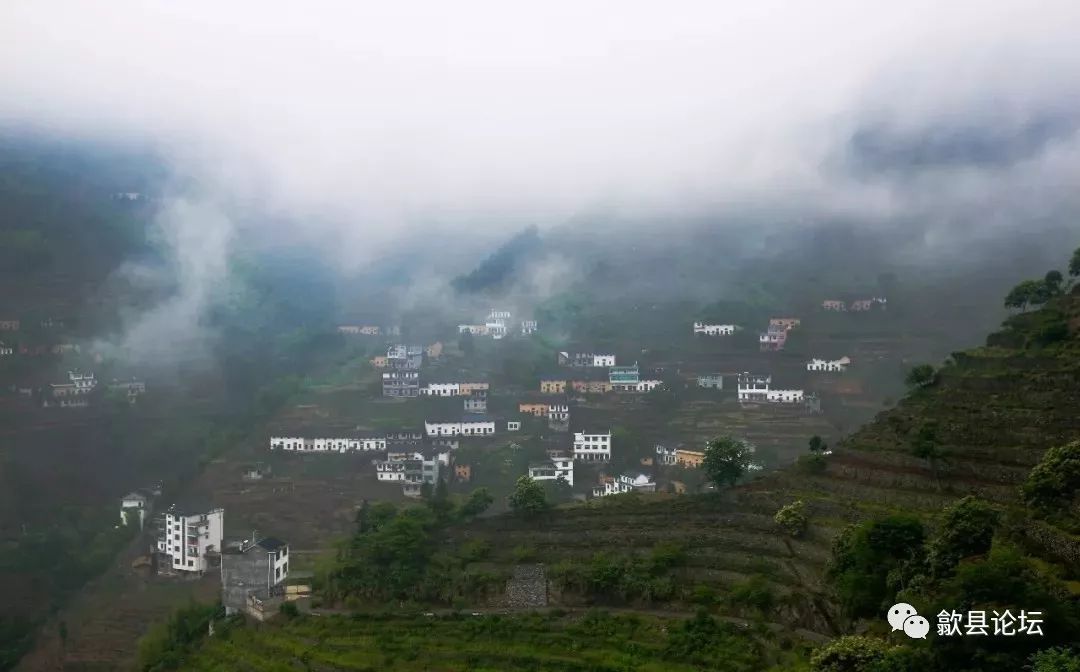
[(188, 536), (713, 381), (470, 426), (784, 396), (592, 447), (625, 483), (647, 385), (441, 390), (474, 329), (753, 387), (666, 456), (558, 411), (834, 305), (714, 329), (828, 365), (6, 349), (513, 425), (602, 360), (558, 466), (328, 444), (137, 503), (528, 327)]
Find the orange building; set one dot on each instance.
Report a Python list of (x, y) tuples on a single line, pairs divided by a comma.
[(379, 362), (434, 351), (467, 389), (535, 408), (691, 459), (463, 472)]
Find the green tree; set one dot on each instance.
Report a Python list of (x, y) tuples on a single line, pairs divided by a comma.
[(1074, 263), (853, 653), (867, 557), (528, 497), (817, 444), (792, 519), (1057, 659), (1055, 480), (1027, 292), (480, 500), (920, 375), (967, 529), (726, 460), (1053, 280)]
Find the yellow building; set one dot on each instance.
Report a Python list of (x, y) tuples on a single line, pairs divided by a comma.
[(466, 389), (691, 459), (552, 386)]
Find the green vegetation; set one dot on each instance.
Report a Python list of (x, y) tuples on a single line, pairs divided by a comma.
[(1053, 486), (528, 498), (166, 646), (541, 642), (792, 519), (726, 460)]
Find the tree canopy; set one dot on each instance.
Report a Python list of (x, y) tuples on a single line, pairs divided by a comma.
[(726, 460)]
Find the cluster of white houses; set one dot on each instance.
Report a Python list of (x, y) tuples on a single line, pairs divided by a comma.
[(497, 326), (753, 388), (592, 447), (558, 465), (585, 360), (624, 483), (619, 379), (715, 329), (411, 471), (828, 364), (857, 306)]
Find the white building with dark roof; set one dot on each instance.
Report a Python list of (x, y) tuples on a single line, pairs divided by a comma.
[(190, 536), (589, 447)]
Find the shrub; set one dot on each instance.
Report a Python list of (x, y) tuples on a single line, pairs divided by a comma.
[(848, 654), (792, 519), (811, 464), (754, 592), (967, 529), (1055, 480)]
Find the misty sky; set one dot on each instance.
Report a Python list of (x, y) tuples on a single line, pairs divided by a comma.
[(377, 119)]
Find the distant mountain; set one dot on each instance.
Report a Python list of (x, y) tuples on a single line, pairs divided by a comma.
[(498, 270)]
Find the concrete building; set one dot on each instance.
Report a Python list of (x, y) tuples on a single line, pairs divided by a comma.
[(585, 360), (784, 396), (6, 350), (476, 403), (712, 381), (624, 375), (828, 365), (834, 305), (470, 388), (401, 384), (785, 322), (714, 329), (690, 459), (136, 503), (558, 466), (592, 447), (440, 390), (774, 339), (537, 409), (863, 305), (624, 483), (665, 456), (405, 357), (513, 425), (253, 568), (190, 537), (552, 385), (558, 411), (470, 426), (9, 325), (358, 329), (753, 387), (528, 327)]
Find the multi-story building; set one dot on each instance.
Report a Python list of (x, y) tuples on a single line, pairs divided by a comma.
[(135, 504), (6, 349), (691, 459), (470, 426), (253, 568), (585, 360), (552, 385), (528, 327), (624, 375), (558, 466), (714, 329), (828, 365), (405, 357), (665, 456), (785, 322), (834, 305), (474, 329), (401, 384), (9, 325), (537, 409), (440, 390), (476, 403), (190, 537), (773, 339), (470, 388), (714, 381), (753, 387), (592, 447), (784, 396), (558, 411), (497, 323), (359, 329)]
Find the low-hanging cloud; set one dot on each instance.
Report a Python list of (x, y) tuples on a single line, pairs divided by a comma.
[(368, 122)]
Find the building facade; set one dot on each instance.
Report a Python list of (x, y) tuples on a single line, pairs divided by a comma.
[(401, 384), (189, 537), (592, 447), (714, 329), (472, 426), (253, 568), (558, 466), (828, 365), (712, 381)]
